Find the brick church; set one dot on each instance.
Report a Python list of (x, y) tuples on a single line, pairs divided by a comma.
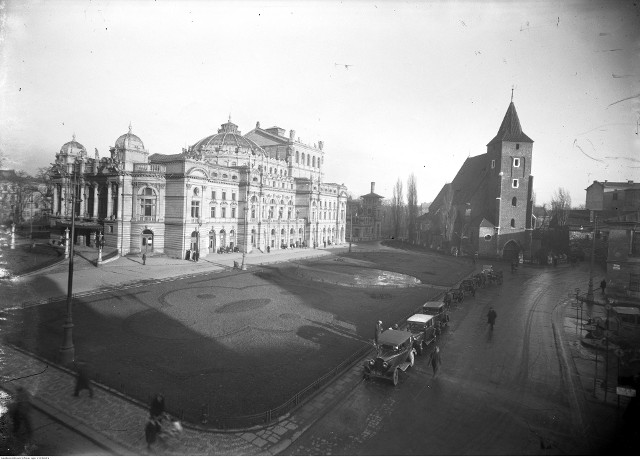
[(487, 207)]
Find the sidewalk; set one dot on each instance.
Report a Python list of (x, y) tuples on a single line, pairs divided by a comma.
[(116, 422)]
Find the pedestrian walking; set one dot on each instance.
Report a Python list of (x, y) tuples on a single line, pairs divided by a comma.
[(144, 258), (151, 431), (157, 406), (82, 380), (435, 360), (378, 331), (603, 286), (491, 317), (20, 412)]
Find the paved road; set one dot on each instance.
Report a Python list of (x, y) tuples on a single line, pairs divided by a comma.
[(503, 393)]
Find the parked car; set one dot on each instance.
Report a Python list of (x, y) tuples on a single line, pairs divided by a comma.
[(469, 285), (395, 353), (423, 328), (440, 312)]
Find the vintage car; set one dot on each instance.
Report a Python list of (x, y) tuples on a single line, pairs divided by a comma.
[(395, 353), (440, 312), (423, 328), (469, 285)]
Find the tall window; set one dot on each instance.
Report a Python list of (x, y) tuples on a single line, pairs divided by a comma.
[(233, 213), (513, 223), (514, 184), (213, 212), (148, 203), (514, 201), (195, 208), (224, 195), (223, 212), (213, 194), (233, 196)]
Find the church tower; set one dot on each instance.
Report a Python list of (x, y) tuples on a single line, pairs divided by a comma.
[(511, 184)]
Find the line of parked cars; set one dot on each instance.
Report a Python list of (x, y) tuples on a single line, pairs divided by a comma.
[(396, 349)]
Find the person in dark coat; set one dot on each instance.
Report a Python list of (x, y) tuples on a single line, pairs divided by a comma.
[(144, 259), (188, 256), (435, 360), (491, 317), (603, 286), (20, 411), (151, 430), (82, 381), (157, 406)]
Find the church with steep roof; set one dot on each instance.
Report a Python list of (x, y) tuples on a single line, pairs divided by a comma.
[(261, 191), (487, 207)]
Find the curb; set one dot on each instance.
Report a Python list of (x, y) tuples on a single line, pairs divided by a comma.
[(87, 432)]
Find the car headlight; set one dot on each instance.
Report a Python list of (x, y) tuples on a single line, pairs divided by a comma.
[(371, 362), (385, 364)]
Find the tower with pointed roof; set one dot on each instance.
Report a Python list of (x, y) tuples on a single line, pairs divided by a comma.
[(510, 155), (487, 207)]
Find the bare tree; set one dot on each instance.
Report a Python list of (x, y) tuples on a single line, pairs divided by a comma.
[(397, 205), (412, 207), (560, 206)]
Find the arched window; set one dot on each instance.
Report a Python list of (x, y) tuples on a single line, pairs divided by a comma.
[(297, 157), (302, 158), (513, 223), (314, 162), (514, 201), (148, 203)]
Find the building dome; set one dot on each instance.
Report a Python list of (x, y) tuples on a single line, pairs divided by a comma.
[(73, 147), (129, 141), (227, 138)]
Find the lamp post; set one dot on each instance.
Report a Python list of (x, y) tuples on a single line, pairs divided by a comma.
[(31, 217), (246, 227), (593, 251), (67, 349)]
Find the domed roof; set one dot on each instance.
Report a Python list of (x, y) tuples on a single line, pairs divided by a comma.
[(73, 147), (227, 136), (129, 141)]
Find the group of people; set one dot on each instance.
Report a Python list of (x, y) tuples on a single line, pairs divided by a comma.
[(192, 255), (159, 425)]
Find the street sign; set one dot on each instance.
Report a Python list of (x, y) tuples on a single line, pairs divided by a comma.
[(626, 391)]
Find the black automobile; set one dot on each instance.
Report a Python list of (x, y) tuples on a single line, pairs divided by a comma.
[(394, 354), (439, 311)]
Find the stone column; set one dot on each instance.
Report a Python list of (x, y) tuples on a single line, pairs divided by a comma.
[(109, 201), (56, 206), (96, 200), (83, 199)]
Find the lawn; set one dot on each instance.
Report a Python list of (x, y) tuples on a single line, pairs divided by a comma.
[(237, 343)]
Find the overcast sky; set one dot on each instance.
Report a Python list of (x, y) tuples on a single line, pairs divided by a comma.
[(427, 83)]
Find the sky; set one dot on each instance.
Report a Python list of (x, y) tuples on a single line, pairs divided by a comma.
[(392, 88)]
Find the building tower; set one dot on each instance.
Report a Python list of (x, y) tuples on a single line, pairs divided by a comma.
[(510, 184)]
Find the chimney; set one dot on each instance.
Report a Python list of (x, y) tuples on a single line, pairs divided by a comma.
[(292, 134), (373, 186), (320, 145), (257, 124)]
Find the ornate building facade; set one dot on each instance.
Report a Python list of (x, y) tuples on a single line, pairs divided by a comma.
[(259, 191)]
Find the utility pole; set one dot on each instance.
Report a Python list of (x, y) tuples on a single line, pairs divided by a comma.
[(593, 251), (67, 349)]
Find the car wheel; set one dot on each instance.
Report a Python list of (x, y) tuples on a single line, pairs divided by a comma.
[(395, 377)]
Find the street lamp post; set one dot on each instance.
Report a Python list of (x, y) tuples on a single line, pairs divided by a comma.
[(67, 349), (593, 251), (246, 226), (31, 218)]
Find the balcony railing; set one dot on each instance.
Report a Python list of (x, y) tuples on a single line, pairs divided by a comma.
[(148, 218), (146, 167)]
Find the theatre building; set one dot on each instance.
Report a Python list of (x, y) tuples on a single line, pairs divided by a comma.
[(262, 191)]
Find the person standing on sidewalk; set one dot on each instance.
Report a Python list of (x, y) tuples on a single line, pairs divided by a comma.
[(603, 286), (144, 258), (378, 331), (82, 380), (435, 360)]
